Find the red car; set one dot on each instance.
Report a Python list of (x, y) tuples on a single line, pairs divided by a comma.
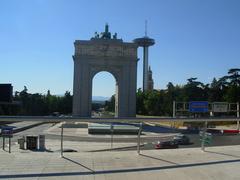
[(166, 145)]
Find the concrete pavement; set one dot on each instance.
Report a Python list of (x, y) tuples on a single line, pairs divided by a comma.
[(219, 163), (23, 125), (80, 131)]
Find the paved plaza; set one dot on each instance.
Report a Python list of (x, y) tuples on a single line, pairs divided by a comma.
[(219, 163)]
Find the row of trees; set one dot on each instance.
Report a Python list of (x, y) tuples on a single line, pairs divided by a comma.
[(38, 104), (156, 102), (159, 102)]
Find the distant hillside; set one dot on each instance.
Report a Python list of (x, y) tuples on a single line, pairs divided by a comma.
[(94, 98), (100, 98)]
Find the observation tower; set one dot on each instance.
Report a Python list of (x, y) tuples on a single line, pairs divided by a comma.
[(145, 42)]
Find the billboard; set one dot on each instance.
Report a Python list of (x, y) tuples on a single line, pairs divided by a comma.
[(220, 107), (198, 106)]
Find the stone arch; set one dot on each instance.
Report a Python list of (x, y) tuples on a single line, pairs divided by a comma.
[(114, 56)]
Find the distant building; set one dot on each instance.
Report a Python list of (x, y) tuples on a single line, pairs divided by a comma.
[(150, 80), (6, 92)]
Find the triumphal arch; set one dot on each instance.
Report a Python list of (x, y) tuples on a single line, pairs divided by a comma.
[(105, 52)]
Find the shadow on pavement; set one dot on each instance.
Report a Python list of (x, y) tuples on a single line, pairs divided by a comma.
[(234, 156), (75, 162), (115, 171), (158, 159)]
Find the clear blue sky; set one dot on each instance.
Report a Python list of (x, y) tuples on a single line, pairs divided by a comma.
[(194, 38)]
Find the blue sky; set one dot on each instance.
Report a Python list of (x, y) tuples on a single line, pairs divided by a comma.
[(194, 38)]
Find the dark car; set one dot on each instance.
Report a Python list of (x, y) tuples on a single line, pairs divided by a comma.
[(181, 139), (166, 145)]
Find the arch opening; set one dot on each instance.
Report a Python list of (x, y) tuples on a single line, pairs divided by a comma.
[(104, 102)]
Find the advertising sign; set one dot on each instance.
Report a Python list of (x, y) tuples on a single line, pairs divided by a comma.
[(220, 107), (198, 106)]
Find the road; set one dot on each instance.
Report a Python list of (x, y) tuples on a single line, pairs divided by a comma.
[(218, 140), (148, 141), (33, 131)]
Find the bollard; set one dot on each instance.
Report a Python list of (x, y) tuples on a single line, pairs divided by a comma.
[(3, 143), (111, 135), (174, 109), (238, 126), (61, 140), (139, 138), (204, 136), (9, 143)]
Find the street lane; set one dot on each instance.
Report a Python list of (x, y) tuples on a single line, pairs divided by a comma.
[(148, 141), (32, 131)]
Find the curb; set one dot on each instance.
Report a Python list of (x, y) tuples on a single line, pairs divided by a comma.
[(17, 130)]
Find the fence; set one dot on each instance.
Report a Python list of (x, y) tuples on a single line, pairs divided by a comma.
[(64, 119)]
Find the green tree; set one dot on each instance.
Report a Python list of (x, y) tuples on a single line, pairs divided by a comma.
[(234, 76), (110, 105), (140, 109), (215, 92), (194, 90)]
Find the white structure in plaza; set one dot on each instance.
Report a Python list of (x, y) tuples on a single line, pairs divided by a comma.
[(105, 53)]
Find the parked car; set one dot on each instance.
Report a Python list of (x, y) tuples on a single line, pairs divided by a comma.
[(181, 139), (166, 145)]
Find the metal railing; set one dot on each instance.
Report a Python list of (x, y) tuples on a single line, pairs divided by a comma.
[(65, 119), (126, 119)]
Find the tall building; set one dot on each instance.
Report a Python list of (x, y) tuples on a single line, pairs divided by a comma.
[(150, 80)]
